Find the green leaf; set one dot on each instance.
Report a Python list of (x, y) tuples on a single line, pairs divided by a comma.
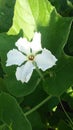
[(69, 46), (39, 92), (36, 122), (1, 71), (4, 127), (6, 14), (2, 85), (54, 37), (60, 77), (11, 114), (65, 7), (55, 34), (30, 14)]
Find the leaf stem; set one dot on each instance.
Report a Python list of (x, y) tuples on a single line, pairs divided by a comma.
[(71, 122), (38, 71), (37, 106), (40, 74)]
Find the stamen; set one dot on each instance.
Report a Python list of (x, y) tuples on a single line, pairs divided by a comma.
[(31, 57)]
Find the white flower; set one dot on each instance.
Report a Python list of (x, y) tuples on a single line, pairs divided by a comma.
[(27, 54)]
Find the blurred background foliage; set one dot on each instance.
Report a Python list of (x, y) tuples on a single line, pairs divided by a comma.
[(6, 14), (64, 7)]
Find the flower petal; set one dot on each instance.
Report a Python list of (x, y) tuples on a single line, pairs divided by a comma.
[(14, 57), (23, 45), (24, 72), (45, 60), (35, 45)]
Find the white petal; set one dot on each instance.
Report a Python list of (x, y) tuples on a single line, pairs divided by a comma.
[(23, 45), (14, 57), (45, 60), (24, 72), (35, 45)]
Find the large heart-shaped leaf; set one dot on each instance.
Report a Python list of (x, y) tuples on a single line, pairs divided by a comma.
[(60, 77), (11, 114)]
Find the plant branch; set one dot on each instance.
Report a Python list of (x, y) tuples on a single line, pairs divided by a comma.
[(37, 106)]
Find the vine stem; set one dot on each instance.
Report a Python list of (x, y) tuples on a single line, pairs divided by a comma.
[(37, 106), (40, 74), (38, 71), (66, 113)]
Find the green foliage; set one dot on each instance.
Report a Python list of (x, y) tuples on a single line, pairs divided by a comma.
[(6, 14), (21, 18), (32, 16), (13, 86), (69, 46), (64, 7), (62, 125), (36, 122), (50, 28), (11, 114)]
